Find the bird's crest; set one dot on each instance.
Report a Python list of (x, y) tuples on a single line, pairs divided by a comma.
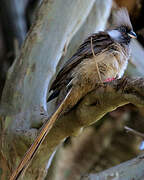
[(121, 18)]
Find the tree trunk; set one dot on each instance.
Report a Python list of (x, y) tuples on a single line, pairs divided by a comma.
[(25, 91), (23, 103)]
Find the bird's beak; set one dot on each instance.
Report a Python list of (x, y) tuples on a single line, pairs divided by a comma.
[(132, 34)]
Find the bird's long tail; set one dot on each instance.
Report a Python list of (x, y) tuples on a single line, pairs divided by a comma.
[(38, 141)]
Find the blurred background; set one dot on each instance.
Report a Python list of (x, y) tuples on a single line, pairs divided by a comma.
[(109, 139), (16, 17)]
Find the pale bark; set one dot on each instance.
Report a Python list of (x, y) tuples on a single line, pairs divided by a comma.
[(136, 65), (133, 169), (24, 95)]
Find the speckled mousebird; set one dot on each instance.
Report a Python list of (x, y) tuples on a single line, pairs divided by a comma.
[(102, 57)]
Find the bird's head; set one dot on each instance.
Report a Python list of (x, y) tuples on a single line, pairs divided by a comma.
[(122, 28)]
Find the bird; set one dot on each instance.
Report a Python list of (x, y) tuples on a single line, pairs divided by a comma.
[(102, 57)]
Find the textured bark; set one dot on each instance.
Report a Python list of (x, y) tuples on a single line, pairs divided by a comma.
[(24, 96), (95, 105), (133, 169), (97, 148)]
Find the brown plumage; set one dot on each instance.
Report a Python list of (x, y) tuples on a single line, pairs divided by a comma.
[(81, 73)]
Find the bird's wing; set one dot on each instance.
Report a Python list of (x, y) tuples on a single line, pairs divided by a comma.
[(100, 41)]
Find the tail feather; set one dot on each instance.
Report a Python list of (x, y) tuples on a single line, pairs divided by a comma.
[(38, 141)]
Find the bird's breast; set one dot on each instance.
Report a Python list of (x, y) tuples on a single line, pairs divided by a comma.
[(85, 76), (110, 65)]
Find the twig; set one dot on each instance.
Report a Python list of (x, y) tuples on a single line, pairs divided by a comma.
[(96, 62), (134, 131)]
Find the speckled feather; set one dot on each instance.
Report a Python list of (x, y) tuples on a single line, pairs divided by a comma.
[(100, 41), (103, 45)]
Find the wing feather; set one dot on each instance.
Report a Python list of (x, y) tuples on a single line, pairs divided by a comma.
[(100, 42)]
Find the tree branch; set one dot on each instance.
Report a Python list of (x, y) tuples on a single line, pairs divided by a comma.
[(133, 169), (95, 105), (25, 91), (24, 95), (89, 110)]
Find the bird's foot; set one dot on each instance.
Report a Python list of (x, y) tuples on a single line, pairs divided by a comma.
[(109, 79)]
